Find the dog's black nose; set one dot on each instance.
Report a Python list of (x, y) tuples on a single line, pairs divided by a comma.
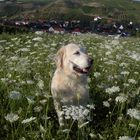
[(90, 61)]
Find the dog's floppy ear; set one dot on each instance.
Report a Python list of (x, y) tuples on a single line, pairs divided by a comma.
[(59, 57)]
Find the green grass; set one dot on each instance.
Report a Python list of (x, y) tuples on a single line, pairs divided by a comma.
[(26, 71)]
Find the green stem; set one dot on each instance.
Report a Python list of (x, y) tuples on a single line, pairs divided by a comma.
[(70, 129), (137, 130)]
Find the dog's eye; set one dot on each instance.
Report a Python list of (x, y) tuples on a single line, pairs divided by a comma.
[(77, 53)]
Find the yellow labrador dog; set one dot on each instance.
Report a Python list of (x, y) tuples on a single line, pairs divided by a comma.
[(69, 83)]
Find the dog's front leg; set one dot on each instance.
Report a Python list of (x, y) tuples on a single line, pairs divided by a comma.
[(58, 107), (59, 112)]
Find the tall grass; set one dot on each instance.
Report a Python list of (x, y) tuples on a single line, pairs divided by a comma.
[(26, 105)]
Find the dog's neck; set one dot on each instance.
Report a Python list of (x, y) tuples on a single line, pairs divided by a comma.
[(81, 78)]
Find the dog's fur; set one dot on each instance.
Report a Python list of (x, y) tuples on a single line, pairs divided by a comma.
[(69, 83)]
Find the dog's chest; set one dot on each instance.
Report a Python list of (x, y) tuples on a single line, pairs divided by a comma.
[(75, 92), (70, 91)]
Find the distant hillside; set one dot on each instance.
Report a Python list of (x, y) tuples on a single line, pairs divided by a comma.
[(67, 9), (12, 8)]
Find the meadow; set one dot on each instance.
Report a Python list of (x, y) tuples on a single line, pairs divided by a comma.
[(26, 105)]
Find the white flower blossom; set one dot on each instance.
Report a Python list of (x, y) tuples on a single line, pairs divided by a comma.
[(30, 100), (126, 138), (126, 85), (3, 41), (28, 120), (24, 49), (108, 53), (14, 58), (39, 32), (38, 108), (54, 44), (134, 113), (4, 80), (132, 81), (83, 124), (40, 84), (137, 73), (11, 117), (106, 104), (125, 72), (132, 125), (121, 98), (92, 135), (97, 74), (123, 64), (76, 112), (115, 42), (15, 95), (42, 129), (37, 39), (43, 101), (91, 106), (135, 56), (66, 130), (112, 90), (22, 138), (30, 82)]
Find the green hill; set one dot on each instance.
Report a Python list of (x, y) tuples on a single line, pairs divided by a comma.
[(65, 9)]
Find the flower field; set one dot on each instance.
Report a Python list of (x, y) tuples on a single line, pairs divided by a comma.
[(26, 105)]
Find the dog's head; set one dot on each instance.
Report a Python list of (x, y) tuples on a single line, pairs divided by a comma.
[(73, 59)]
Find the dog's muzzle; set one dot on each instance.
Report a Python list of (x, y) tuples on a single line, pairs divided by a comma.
[(83, 70)]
